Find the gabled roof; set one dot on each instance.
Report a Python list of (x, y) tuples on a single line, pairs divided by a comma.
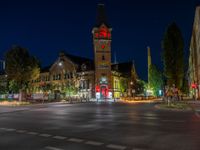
[(124, 68), (79, 61)]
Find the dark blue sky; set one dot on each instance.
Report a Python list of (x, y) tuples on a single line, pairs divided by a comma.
[(47, 27)]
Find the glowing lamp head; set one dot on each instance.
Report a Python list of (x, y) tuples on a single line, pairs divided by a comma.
[(60, 63)]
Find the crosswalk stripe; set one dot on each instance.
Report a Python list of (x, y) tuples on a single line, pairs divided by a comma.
[(21, 131), (59, 137), (32, 133), (75, 140), (52, 148), (117, 147), (45, 135), (94, 143)]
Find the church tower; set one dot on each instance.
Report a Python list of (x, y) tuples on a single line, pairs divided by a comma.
[(102, 55)]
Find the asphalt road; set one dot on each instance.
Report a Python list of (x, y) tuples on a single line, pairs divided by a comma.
[(105, 126)]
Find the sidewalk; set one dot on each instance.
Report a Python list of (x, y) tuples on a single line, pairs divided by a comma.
[(196, 106)]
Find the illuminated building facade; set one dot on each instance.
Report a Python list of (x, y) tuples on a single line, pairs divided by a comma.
[(73, 76), (194, 57), (70, 75)]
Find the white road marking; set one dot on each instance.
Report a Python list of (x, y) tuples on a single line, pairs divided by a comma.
[(3, 128), (94, 143), (45, 135), (75, 140), (32, 133), (21, 131), (59, 137), (10, 129), (118, 147), (52, 148)]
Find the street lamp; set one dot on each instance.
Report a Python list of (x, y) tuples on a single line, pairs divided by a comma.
[(60, 63), (131, 88)]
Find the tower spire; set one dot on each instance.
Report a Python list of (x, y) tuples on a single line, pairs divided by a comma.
[(134, 73), (101, 15)]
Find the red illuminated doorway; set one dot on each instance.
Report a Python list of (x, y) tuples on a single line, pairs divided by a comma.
[(104, 91)]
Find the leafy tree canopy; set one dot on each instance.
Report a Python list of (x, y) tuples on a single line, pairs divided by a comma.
[(21, 67), (155, 79), (173, 56)]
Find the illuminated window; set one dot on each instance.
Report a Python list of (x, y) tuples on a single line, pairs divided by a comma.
[(103, 80)]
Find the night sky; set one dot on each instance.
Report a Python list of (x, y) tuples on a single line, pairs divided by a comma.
[(47, 27)]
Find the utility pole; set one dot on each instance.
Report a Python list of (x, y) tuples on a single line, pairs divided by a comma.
[(149, 60)]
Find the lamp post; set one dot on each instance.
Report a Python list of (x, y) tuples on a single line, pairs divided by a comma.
[(61, 78), (131, 88)]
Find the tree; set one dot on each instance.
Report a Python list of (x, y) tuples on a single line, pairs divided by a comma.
[(123, 85), (155, 79), (45, 87), (173, 56), (3, 89), (139, 87), (13, 86), (21, 67)]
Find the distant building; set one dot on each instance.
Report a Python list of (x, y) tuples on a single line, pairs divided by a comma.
[(73, 75), (79, 73), (97, 78), (194, 57)]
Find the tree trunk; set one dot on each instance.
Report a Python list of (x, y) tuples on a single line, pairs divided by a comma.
[(21, 95)]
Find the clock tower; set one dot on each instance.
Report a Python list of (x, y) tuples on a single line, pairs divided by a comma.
[(102, 55)]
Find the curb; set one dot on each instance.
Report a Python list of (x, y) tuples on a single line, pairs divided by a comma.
[(174, 109)]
